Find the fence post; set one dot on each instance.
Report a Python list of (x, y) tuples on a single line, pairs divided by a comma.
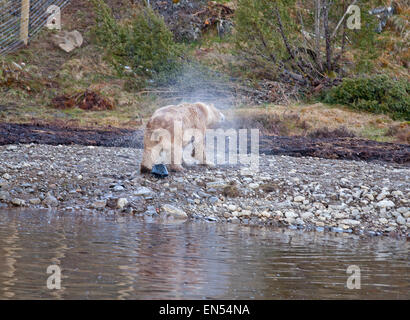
[(24, 21)]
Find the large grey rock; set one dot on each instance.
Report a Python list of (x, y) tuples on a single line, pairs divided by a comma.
[(68, 40), (50, 201), (35, 201), (174, 211), (4, 195), (12, 147), (18, 202)]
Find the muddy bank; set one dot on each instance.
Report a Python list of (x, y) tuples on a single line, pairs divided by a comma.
[(337, 148), (58, 134), (329, 148), (299, 192)]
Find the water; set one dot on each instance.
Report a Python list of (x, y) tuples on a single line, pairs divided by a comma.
[(130, 258)]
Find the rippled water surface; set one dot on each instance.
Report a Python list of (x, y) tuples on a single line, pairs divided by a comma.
[(129, 258)]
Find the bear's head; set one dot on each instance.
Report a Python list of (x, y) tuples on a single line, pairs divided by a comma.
[(214, 115)]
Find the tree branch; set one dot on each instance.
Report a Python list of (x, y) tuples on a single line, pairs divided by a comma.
[(341, 20)]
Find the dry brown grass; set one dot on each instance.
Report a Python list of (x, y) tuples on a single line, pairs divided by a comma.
[(401, 132), (308, 119)]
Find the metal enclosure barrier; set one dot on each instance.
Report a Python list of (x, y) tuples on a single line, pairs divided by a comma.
[(22, 19)]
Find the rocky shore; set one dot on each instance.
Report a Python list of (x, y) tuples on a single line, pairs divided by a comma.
[(298, 192)]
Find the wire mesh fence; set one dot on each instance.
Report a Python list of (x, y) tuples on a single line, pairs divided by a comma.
[(22, 19)]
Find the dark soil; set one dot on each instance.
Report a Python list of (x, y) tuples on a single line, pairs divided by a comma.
[(330, 148), (337, 148), (55, 134)]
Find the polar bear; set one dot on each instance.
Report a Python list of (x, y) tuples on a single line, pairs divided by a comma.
[(172, 129)]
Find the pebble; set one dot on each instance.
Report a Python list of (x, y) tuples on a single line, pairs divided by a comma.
[(216, 184), (299, 199), (244, 213), (383, 221), (231, 207), (382, 195), (142, 191), (203, 194), (18, 202), (100, 204), (213, 199), (306, 215), (121, 203), (34, 201), (151, 210), (350, 222), (385, 204), (118, 188), (397, 194), (401, 220), (234, 220), (4, 195), (291, 214)]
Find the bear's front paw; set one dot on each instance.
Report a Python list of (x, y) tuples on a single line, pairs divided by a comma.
[(208, 164), (176, 168), (145, 169)]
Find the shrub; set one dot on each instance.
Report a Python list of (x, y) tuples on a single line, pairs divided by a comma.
[(278, 39), (257, 39), (144, 43), (379, 94)]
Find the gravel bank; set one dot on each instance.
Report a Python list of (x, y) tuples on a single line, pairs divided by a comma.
[(331, 147), (309, 193)]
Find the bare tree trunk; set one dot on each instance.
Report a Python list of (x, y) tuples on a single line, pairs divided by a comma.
[(327, 36), (317, 32), (282, 32), (342, 51)]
